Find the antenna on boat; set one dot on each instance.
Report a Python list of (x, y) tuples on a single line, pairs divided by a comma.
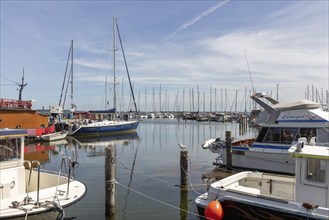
[(21, 87), (252, 84)]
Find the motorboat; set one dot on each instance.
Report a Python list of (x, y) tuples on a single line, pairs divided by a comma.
[(27, 190), (258, 195), (280, 126), (54, 136)]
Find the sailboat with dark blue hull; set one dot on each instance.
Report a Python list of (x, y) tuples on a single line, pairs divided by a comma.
[(105, 127), (110, 126)]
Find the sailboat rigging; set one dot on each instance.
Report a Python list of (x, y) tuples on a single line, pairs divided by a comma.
[(112, 126), (124, 57), (68, 79)]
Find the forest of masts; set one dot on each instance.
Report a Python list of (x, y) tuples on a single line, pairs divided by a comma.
[(191, 100)]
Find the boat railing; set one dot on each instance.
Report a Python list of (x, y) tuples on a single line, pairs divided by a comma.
[(29, 180), (38, 183), (36, 165), (28, 188), (71, 165), (56, 173)]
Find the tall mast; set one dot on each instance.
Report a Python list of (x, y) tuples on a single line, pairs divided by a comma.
[(114, 53), (125, 61), (72, 103), (68, 79)]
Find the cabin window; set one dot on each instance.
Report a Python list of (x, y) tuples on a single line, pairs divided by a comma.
[(287, 135), (308, 133), (323, 135), (262, 133), (272, 136), (316, 170), (10, 149), (280, 135)]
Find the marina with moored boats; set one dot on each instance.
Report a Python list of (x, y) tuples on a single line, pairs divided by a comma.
[(271, 138), (164, 117), (202, 172)]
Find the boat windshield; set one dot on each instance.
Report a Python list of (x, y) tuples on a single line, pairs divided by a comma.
[(10, 149), (308, 133), (289, 135), (277, 135)]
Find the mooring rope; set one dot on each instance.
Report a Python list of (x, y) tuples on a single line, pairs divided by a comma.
[(157, 200), (189, 180), (147, 175)]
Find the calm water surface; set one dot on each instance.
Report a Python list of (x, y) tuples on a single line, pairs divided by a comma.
[(147, 169)]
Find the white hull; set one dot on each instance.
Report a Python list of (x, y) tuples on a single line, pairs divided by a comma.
[(280, 162), (256, 195), (25, 192), (54, 136), (51, 195)]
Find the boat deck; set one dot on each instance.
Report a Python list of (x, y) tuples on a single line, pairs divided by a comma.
[(278, 187)]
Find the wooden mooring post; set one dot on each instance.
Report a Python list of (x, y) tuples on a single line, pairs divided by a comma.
[(183, 205), (243, 125), (228, 144), (110, 185), (184, 170)]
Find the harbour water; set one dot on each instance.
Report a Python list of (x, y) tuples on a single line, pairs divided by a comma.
[(147, 169)]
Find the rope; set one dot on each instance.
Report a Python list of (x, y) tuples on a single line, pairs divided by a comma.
[(156, 178), (189, 180), (159, 201), (47, 204)]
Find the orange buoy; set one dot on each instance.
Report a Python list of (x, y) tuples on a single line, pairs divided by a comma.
[(214, 210)]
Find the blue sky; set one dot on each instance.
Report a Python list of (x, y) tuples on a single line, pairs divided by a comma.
[(176, 45)]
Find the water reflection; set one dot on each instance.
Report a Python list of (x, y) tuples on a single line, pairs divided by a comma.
[(146, 167), (102, 140), (95, 146), (43, 151)]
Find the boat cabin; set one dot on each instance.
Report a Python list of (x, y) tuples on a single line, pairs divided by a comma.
[(11, 162), (284, 123), (312, 173), (25, 192), (11, 147)]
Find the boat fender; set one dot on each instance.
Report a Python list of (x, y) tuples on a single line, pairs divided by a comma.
[(214, 210)]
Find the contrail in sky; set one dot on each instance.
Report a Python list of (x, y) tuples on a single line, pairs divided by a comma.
[(186, 25)]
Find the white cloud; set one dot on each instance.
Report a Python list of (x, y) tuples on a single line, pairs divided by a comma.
[(286, 45)]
